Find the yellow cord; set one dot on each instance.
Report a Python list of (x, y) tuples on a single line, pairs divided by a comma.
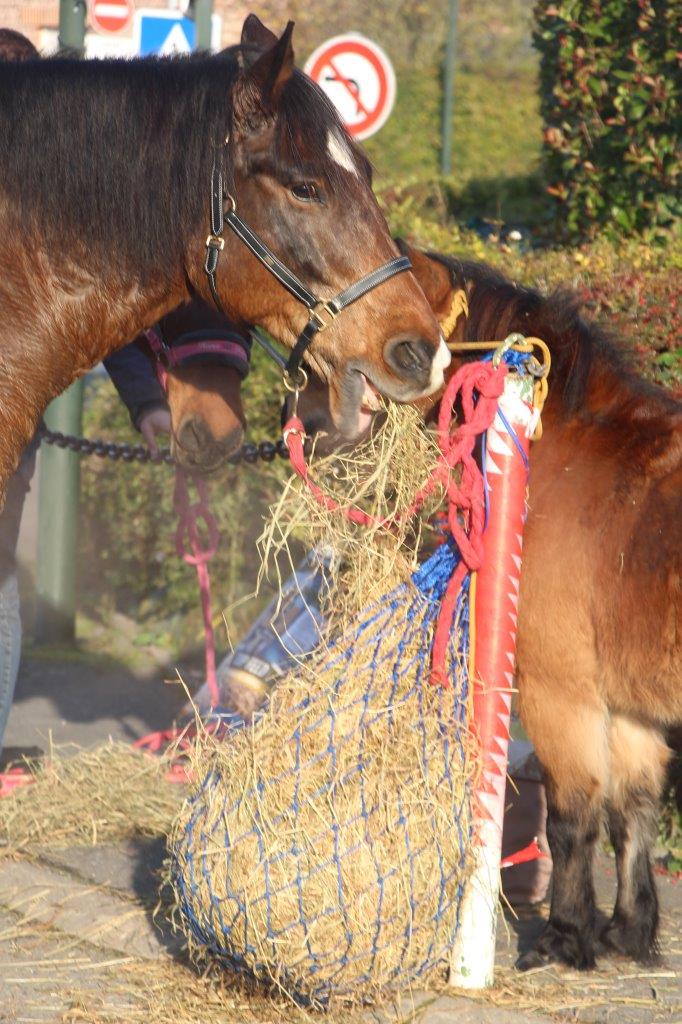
[(458, 306), (540, 369)]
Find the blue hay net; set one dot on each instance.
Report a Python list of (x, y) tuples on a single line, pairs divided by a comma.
[(223, 924)]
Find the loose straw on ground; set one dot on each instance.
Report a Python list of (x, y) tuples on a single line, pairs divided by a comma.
[(85, 796)]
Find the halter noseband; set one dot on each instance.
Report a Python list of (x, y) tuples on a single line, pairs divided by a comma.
[(233, 350), (322, 311)]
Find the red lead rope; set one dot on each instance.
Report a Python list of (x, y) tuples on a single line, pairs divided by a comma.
[(479, 386), (189, 546)]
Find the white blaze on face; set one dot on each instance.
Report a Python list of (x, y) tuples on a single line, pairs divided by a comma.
[(440, 363), (339, 151)]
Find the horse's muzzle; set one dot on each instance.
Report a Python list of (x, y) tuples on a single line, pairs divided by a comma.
[(195, 448)]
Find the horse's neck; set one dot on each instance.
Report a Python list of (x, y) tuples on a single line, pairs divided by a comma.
[(590, 375)]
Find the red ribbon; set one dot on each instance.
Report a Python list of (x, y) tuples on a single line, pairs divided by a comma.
[(479, 386)]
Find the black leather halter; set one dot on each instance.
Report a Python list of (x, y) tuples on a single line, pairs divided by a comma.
[(322, 312)]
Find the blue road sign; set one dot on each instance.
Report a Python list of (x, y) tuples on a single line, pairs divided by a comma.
[(163, 32)]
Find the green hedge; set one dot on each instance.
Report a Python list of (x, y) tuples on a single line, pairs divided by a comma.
[(610, 88)]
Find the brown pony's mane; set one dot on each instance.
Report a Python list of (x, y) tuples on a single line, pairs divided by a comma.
[(580, 350)]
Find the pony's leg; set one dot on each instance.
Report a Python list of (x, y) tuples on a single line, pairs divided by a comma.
[(571, 741), (639, 757)]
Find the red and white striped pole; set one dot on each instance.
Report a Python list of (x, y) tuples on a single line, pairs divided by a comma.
[(495, 612)]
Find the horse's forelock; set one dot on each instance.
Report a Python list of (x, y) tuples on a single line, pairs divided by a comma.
[(311, 153)]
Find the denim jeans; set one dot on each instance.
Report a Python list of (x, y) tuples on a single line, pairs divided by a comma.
[(10, 646), (10, 619)]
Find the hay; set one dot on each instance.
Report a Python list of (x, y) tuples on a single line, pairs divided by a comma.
[(380, 476), (107, 792), (327, 846)]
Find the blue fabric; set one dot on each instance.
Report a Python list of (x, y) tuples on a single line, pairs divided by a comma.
[(10, 646), (10, 620), (133, 375)]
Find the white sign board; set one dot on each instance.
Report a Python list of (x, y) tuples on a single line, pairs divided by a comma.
[(358, 78)]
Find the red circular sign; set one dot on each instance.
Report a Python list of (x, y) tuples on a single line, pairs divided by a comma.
[(111, 15), (358, 77)]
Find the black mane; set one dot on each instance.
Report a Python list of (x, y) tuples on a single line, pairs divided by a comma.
[(116, 155), (498, 307)]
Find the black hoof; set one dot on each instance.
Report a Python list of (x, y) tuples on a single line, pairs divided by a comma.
[(631, 940), (530, 960), (559, 945)]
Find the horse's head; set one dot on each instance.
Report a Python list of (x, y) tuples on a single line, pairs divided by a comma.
[(299, 182), (207, 416), (201, 362), (442, 286)]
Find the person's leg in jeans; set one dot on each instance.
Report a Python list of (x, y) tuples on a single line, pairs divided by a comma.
[(10, 619)]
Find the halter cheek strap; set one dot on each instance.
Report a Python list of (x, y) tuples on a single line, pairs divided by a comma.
[(322, 312)]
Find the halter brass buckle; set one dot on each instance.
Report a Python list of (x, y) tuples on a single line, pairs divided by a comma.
[(215, 242), (319, 320), (296, 383)]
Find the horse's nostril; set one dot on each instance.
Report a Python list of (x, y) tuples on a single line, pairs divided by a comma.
[(197, 448), (410, 357), (194, 436), (231, 442)]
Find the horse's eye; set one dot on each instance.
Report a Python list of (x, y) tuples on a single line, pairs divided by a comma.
[(307, 192)]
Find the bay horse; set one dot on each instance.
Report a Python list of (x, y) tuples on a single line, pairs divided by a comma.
[(109, 171), (599, 643)]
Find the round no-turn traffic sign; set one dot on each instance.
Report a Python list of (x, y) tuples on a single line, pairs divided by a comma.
[(358, 77), (110, 15)]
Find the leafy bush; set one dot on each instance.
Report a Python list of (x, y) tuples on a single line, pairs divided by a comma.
[(610, 92)]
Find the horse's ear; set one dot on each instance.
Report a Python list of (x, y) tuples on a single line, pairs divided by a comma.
[(445, 289), (434, 277), (255, 34), (257, 90)]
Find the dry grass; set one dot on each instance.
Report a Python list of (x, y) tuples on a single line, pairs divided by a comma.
[(382, 476), (87, 796), (135, 992)]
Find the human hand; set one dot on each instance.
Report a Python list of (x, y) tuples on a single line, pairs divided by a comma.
[(156, 421)]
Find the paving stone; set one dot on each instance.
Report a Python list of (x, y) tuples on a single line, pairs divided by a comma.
[(130, 867), (459, 1010), (87, 912), (41, 970), (425, 1008)]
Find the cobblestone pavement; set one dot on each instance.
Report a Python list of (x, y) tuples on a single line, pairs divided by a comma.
[(79, 943), (71, 919)]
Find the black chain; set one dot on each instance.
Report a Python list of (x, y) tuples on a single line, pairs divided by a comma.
[(249, 453)]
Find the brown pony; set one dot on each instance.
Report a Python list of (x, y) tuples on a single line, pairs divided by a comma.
[(207, 416), (106, 172), (599, 658)]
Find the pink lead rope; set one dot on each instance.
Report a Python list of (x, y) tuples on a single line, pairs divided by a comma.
[(189, 545)]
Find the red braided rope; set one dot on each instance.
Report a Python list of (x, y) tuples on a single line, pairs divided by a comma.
[(479, 386)]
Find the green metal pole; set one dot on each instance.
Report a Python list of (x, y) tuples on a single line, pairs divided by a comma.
[(59, 482), (72, 26), (449, 91), (201, 11), (58, 491)]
